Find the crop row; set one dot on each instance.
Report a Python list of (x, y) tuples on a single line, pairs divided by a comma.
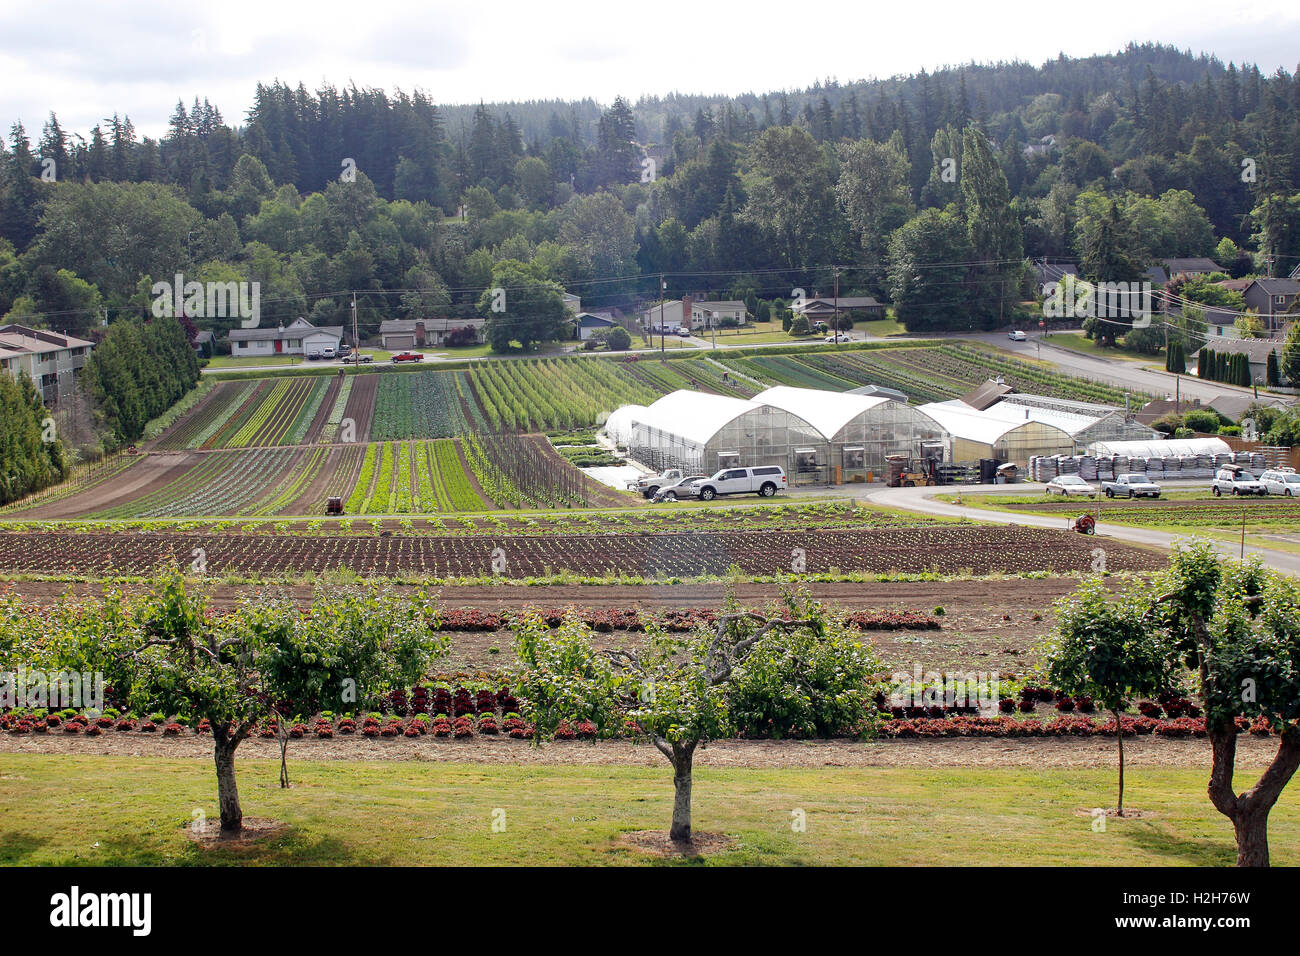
[(939, 549), (418, 405), (222, 483)]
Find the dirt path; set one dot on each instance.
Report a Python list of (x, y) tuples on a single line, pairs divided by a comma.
[(324, 411), (361, 405), (157, 470), (1026, 754)]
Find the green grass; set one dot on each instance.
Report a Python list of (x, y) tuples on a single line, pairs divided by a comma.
[(881, 327), (259, 361), (74, 810), (1077, 342)]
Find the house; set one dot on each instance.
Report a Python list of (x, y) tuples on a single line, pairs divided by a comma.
[(1044, 146), (1197, 266), (397, 335), (857, 307), (300, 337), (51, 360), (687, 312), (1271, 298), (589, 323), (1255, 350)]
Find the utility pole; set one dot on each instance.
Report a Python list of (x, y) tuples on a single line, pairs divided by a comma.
[(356, 341), (663, 333), (835, 317)]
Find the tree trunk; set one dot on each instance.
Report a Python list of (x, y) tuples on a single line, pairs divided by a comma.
[(232, 817), (1249, 811), (283, 733), (1119, 735), (683, 758)]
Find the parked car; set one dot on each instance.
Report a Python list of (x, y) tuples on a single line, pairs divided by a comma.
[(345, 349), (681, 489), (1016, 335), (838, 337), (1070, 485), (649, 485), (313, 356), (408, 357), (1281, 481), (684, 333), (1132, 485), (327, 353), (1238, 481), (765, 480)]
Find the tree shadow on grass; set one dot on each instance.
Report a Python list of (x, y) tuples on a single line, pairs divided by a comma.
[(17, 848), (1155, 838)]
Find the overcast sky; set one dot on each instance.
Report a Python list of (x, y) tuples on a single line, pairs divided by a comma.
[(86, 59)]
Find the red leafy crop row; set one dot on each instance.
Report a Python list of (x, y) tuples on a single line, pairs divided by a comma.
[(673, 619)]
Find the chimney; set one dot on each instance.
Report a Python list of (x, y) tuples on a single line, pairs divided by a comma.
[(688, 303)]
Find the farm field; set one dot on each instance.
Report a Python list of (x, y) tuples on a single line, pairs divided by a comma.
[(924, 373), (919, 814), (940, 549)]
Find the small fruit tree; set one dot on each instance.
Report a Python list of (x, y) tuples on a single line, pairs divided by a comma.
[(744, 672), (1103, 648), (356, 647), (1236, 627)]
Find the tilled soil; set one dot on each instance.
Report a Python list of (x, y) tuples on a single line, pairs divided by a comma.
[(1024, 753)]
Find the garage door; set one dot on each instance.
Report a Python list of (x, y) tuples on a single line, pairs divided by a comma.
[(392, 342)]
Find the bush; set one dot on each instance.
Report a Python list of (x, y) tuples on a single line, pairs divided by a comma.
[(618, 339), (799, 326), (1202, 420)]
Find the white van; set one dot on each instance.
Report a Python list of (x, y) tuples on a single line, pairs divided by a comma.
[(1281, 481)]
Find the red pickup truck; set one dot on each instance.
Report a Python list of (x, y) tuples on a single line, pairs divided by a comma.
[(408, 357)]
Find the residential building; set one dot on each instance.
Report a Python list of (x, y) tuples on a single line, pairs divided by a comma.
[(1049, 272), (856, 307), (399, 334), (51, 360), (1197, 266), (1271, 298), (300, 337), (696, 314), (588, 323)]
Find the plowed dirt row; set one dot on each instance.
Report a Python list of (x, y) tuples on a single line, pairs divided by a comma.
[(978, 550)]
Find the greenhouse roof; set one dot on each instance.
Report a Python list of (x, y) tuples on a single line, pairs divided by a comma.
[(989, 425), (825, 411), (1171, 448), (694, 416)]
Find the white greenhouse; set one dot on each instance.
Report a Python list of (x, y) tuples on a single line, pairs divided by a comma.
[(860, 430)]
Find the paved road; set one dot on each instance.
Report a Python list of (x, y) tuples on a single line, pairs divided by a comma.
[(922, 500)]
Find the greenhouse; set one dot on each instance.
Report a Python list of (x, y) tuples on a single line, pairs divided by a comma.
[(619, 424), (1005, 432), (702, 433), (860, 430)]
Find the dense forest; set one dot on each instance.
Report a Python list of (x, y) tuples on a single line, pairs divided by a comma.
[(928, 190)]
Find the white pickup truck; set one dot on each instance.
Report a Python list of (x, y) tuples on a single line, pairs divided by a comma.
[(649, 485)]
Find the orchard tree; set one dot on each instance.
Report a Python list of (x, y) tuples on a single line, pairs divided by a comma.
[(353, 649), (1104, 649), (747, 671)]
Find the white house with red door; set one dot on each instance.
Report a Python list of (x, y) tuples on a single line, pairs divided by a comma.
[(299, 337)]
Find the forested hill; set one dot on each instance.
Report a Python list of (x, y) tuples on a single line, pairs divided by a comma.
[(751, 195)]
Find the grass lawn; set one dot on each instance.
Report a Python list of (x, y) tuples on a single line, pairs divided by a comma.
[(258, 361), (1078, 342), (124, 811), (881, 327)]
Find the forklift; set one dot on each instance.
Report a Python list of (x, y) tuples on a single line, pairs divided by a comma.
[(907, 472)]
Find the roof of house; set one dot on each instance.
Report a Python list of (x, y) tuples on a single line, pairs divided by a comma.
[(398, 325), (1278, 286), (715, 304), (1255, 349), (1055, 271), (1193, 264), (1234, 285), (296, 329), (1157, 275), (1234, 406), (590, 320), (845, 302), (202, 336)]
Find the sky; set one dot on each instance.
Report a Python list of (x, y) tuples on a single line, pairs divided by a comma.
[(89, 59)]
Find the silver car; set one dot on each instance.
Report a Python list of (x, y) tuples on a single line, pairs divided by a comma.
[(681, 489)]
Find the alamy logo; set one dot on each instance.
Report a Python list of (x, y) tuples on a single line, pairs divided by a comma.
[(208, 300), (74, 908), (31, 688), (1076, 299)]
